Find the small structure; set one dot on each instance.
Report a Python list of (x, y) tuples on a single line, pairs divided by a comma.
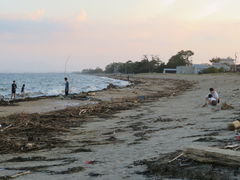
[(169, 70), (221, 65), (192, 69), (185, 69), (238, 67), (227, 61), (227, 64)]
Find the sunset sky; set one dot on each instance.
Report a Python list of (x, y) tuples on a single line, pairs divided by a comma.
[(39, 35)]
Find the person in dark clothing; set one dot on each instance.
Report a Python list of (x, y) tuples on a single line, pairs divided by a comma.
[(23, 90), (14, 87), (66, 86)]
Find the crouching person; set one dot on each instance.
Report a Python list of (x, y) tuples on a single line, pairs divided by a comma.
[(211, 100)]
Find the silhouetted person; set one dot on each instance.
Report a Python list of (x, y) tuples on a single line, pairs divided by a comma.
[(23, 90), (14, 87), (66, 86)]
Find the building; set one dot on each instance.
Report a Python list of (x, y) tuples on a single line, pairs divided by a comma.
[(169, 70), (228, 61), (228, 64), (192, 69), (221, 65)]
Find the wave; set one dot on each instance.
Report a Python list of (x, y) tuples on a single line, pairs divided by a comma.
[(53, 83)]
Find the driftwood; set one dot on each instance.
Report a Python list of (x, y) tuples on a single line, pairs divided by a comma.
[(234, 125), (213, 155), (180, 155), (6, 128), (20, 174), (233, 146)]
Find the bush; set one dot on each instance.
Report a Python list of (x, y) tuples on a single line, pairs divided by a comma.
[(212, 70)]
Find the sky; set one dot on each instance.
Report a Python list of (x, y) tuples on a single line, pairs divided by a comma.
[(39, 36)]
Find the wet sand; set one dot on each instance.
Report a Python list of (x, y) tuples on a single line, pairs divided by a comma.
[(160, 119)]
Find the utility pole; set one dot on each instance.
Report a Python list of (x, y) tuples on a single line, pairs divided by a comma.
[(65, 71), (235, 62)]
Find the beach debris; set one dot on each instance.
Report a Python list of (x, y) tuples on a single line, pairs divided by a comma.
[(93, 174), (111, 86), (20, 174), (180, 155), (141, 97), (5, 102), (5, 127), (82, 111), (89, 162), (185, 168), (237, 138), (213, 155), (226, 106), (233, 146), (234, 125), (91, 93), (30, 145), (26, 132)]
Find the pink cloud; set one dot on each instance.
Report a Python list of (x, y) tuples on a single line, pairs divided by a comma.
[(81, 16)]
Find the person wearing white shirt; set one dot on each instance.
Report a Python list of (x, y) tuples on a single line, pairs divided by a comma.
[(212, 97), (214, 94), (211, 100)]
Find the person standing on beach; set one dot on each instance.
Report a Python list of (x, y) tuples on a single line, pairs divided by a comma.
[(66, 86), (14, 87), (23, 90)]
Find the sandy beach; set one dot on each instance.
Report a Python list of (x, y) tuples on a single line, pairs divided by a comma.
[(109, 133)]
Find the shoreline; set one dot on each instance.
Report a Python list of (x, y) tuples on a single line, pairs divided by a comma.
[(52, 102), (104, 103), (79, 84)]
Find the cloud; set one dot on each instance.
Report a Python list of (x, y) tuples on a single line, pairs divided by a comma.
[(169, 2), (35, 23), (209, 8), (36, 15), (33, 16), (31, 27), (81, 16)]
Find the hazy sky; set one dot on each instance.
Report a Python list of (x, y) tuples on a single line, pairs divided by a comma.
[(39, 35)]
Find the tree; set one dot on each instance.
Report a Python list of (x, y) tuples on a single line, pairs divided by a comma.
[(146, 65), (156, 65), (215, 60), (92, 71), (115, 68), (180, 59)]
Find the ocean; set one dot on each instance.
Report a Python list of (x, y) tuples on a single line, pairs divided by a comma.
[(48, 84)]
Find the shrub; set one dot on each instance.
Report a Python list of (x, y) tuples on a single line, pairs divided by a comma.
[(212, 70)]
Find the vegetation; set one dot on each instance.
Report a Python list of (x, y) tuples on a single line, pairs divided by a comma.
[(212, 70), (180, 59), (92, 71), (215, 60), (146, 65), (150, 64)]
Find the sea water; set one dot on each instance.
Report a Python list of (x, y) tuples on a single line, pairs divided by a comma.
[(48, 84)]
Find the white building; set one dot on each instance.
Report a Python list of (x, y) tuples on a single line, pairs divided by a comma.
[(225, 63), (221, 65), (192, 69)]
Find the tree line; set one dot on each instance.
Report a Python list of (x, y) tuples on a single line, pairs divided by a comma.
[(148, 64)]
